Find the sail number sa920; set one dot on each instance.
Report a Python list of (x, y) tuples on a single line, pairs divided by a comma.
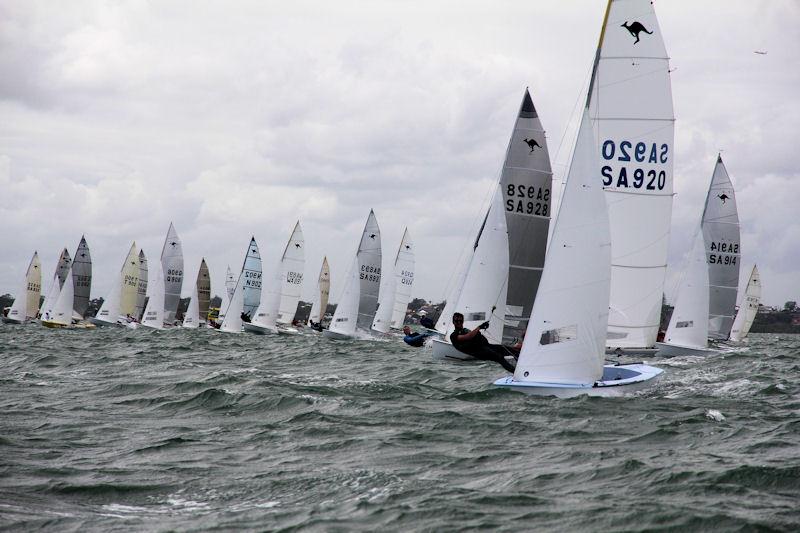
[(634, 177)]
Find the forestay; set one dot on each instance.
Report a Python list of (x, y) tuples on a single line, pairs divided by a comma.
[(630, 104)]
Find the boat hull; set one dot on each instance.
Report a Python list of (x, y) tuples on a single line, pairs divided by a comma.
[(258, 330), (444, 351), (674, 350), (617, 380), (9, 320), (328, 334), (634, 352)]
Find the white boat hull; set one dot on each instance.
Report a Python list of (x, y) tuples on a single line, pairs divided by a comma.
[(444, 351), (673, 350), (9, 320), (618, 380), (258, 330)]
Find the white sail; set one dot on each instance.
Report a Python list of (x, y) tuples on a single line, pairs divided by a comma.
[(445, 321), (62, 310), (483, 296), (565, 339), (721, 235), (191, 319), (346, 314), (320, 304), (232, 321), (203, 287), (291, 271), (230, 286), (397, 293), (154, 313), (129, 284), (141, 287), (172, 272), (630, 105), (526, 183), (82, 278), (688, 325), (369, 272), (60, 275), (266, 315), (26, 303), (230, 283), (748, 307), (109, 312)]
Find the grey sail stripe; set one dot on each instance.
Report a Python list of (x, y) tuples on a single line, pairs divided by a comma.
[(639, 267), (525, 267), (656, 324), (729, 287), (545, 217), (635, 57), (607, 188), (635, 119), (529, 170)]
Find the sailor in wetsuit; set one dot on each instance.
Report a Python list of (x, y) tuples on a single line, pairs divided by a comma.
[(474, 344), (414, 339)]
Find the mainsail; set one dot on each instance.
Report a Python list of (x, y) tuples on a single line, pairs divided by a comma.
[(369, 272), (721, 235), (630, 105), (203, 287), (291, 275), (26, 302), (320, 304), (60, 275), (141, 287), (129, 292), (247, 294), (397, 291), (82, 278), (154, 313), (172, 270)]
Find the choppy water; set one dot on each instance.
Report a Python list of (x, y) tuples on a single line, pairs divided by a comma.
[(114, 430)]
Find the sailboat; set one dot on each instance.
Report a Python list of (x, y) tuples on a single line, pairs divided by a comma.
[(748, 308), (279, 305), (154, 313), (564, 346), (502, 277), (172, 266), (721, 236), (632, 114), (123, 293), (60, 316), (705, 301), (359, 301), (225, 300), (26, 304), (247, 294), (81, 279), (197, 312), (59, 277), (141, 287), (397, 293), (320, 303)]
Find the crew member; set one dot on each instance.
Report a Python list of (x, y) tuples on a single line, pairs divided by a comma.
[(414, 339), (475, 344)]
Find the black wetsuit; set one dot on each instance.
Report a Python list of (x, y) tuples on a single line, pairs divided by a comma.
[(416, 339), (479, 348)]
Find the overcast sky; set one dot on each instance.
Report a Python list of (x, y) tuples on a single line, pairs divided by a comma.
[(237, 118)]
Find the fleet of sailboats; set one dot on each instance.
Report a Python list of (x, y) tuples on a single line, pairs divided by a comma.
[(595, 287)]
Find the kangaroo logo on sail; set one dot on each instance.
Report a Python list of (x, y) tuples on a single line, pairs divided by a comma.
[(531, 144), (723, 197), (635, 29)]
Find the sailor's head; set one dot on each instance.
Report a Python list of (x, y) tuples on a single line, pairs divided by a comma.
[(407, 330), (458, 319)]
